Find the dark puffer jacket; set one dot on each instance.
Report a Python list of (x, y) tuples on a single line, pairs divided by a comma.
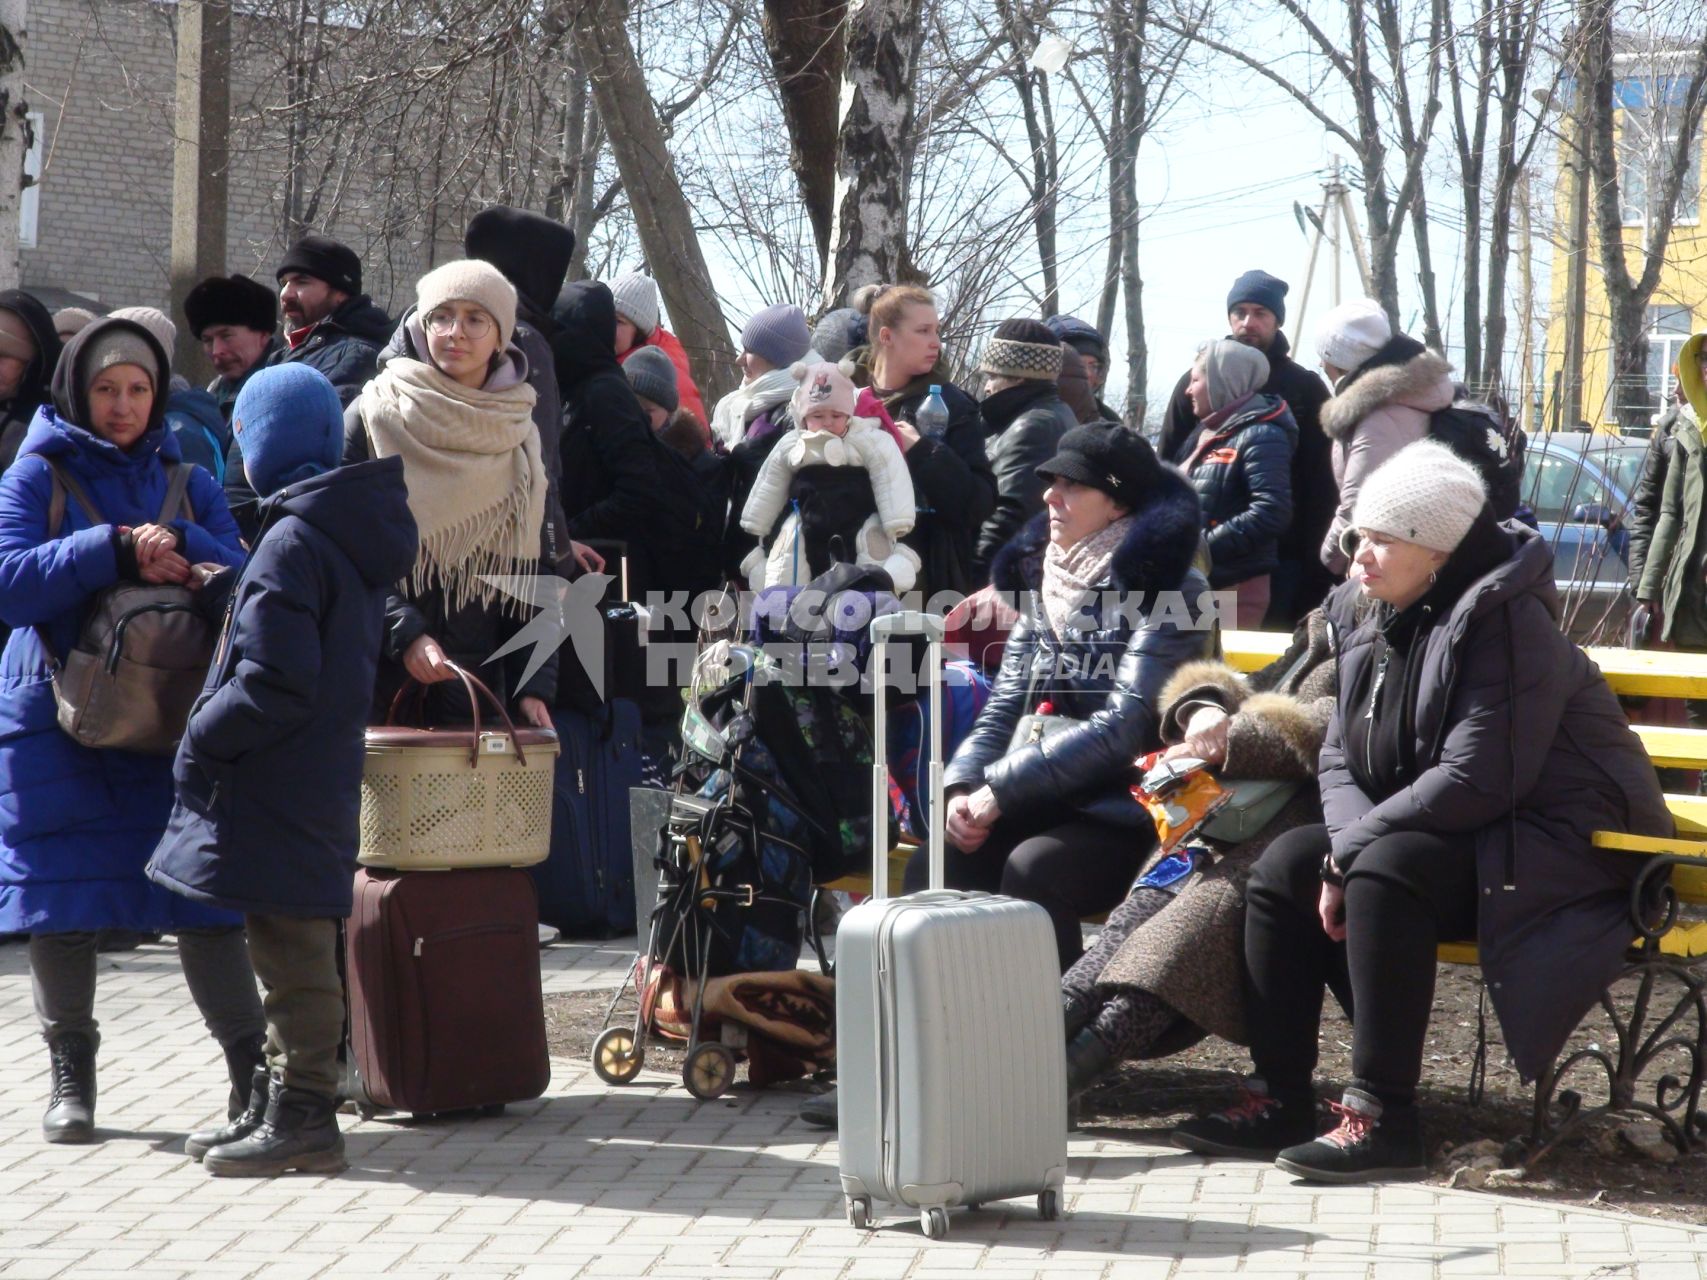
[(952, 481), (1109, 675), (1021, 428), (1520, 745), (1243, 476), (344, 346), (268, 774)]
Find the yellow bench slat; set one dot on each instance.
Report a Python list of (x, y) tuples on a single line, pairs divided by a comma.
[(1671, 748), (1690, 813), (862, 884)]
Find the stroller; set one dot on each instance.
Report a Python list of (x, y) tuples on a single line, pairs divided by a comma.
[(770, 799)]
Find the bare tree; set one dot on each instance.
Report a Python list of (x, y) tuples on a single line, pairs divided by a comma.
[(14, 135), (807, 42), (1661, 141)]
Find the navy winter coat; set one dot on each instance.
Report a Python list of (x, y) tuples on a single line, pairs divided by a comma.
[(1243, 477), (1520, 746), (269, 771), (1146, 623), (77, 825)]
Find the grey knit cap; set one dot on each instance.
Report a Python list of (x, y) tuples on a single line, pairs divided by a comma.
[(652, 375), (636, 297), (778, 335), (839, 332), (119, 346)]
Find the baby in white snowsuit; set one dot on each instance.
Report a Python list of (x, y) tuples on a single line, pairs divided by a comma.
[(824, 516)]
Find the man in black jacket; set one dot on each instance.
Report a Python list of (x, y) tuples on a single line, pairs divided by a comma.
[(236, 320), (1256, 308)]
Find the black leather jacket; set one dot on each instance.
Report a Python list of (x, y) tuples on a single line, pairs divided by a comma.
[(1108, 673)]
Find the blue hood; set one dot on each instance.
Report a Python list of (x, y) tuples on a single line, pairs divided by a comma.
[(53, 437), (364, 509)]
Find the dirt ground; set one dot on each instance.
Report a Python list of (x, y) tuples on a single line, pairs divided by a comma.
[(1603, 1167)]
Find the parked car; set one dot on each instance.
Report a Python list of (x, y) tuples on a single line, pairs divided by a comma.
[(1579, 485)]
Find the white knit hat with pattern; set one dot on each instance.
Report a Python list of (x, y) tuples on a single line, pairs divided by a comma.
[(1425, 494)]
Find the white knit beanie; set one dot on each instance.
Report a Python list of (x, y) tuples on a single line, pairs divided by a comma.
[(1351, 334), (636, 298), (1425, 494), (156, 321), (470, 280)]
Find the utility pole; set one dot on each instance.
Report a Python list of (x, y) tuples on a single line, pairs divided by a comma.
[(1576, 248), (1336, 206), (200, 158)]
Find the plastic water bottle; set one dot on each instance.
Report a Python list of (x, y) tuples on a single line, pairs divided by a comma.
[(933, 415)]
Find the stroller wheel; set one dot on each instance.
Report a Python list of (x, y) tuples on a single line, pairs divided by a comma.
[(709, 1070), (616, 1058)]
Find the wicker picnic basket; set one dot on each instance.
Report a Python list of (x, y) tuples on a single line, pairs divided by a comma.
[(440, 799)]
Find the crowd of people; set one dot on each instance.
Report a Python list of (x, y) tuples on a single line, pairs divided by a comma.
[(341, 500)]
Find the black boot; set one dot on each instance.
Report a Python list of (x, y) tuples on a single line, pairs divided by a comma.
[(1076, 1012), (246, 1121), (298, 1134), (1089, 1059), (819, 1110), (1373, 1143), (71, 1106), (1257, 1127), (243, 1058)]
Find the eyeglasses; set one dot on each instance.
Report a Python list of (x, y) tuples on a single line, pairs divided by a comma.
[(441, 323)]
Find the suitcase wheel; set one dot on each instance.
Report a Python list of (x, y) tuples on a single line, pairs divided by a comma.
[(859, 1213), (935, 1222), (709, 1070), (616, 1058), (1049, 1204)]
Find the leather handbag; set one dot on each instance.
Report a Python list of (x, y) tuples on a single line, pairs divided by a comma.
[(142, 657)]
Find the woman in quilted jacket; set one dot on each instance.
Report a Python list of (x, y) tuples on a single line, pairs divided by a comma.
[(1241, 465), (77, 824)]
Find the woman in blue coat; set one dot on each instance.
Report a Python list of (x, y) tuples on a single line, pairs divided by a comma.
[(77, 825)]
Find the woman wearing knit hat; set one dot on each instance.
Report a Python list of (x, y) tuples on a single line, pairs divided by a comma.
[(461, 418), (1241, 466), (1024, 419), (1386, 386), (639, 325), (79, 823), (771, 342), (1472, 750)]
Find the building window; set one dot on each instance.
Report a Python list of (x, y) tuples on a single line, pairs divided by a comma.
[(1649, 118), (29, 202), (1668, 329)]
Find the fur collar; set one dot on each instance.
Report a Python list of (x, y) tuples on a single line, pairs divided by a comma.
[(1155, 555), (1396, 372)]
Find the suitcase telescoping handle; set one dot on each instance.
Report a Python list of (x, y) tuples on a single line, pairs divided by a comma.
[(897, 626), (476, 690)]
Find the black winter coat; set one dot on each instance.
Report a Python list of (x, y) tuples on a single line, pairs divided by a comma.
[(1315, 495), (1519, 745), (269, 771), (469, 635), (610, 471), (1022, 426), (19, 411), (1243, 477), (1650, 489), (952, 482), (1109, 675)]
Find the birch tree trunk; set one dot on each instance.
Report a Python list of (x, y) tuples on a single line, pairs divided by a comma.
[(869, 232), (807, 51), (661, 214), (14, 134)]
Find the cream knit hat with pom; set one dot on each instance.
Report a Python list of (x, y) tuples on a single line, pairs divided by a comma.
[(470, 280)]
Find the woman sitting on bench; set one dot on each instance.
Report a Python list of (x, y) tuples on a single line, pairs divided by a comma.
[(1473, 752)]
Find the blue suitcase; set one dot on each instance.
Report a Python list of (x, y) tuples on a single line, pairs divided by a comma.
[(586, 886)]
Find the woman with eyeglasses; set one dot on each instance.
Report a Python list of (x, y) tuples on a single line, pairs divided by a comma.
[(459, 412)]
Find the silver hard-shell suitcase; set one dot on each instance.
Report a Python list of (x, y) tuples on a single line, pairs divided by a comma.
[(951, 1051)]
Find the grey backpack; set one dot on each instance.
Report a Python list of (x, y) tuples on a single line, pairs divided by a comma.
[(143, 653)]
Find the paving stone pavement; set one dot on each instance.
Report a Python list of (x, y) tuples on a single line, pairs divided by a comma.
[(644, 1181)]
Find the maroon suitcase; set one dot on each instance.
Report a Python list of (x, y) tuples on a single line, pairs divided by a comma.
[(445, 1006)]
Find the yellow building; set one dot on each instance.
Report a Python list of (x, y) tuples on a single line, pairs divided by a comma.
[(1648, 102)]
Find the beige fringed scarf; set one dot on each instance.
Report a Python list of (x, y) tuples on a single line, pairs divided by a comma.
[(476, 482), (1070, 576)]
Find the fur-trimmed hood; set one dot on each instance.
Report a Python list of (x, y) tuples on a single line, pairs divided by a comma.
[(1155, 555), (1402, 372)]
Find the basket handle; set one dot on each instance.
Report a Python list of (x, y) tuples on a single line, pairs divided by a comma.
[(475, 687)]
